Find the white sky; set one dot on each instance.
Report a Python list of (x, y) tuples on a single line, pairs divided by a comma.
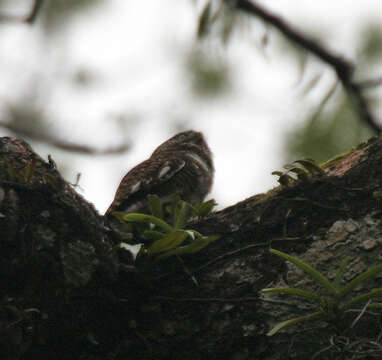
[(136, 51)]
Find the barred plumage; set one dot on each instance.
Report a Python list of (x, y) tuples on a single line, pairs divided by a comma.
[(181, 165)]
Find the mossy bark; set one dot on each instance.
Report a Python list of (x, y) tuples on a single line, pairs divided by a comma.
[(68, 294)]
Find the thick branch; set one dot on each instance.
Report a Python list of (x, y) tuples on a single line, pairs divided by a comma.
[(59, 260), (63, 144)]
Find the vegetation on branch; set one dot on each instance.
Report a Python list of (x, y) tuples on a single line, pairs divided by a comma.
[(163, 233), (332, 305)]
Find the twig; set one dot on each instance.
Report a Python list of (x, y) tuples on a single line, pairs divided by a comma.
[(360, 314), (341, 66), (62, 144)]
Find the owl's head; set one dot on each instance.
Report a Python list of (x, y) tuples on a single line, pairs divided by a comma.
[(184, 142)]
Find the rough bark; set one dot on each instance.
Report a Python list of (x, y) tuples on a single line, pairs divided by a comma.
[(68, 294)]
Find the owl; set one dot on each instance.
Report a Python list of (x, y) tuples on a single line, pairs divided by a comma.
[(182, 165)]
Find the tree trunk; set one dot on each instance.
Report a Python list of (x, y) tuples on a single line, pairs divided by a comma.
[(68, 291)]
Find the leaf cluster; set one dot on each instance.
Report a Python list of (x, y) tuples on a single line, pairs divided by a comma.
[(330, 307), (298, 170), (163, 231)]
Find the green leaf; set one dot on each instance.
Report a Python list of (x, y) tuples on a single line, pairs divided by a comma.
[(182, 215), (290, 322), (361, 299), (143, 218), (168, 242), (173, 206), (359, 279), (340, 272), (153, 235), (192, 248), (301, 173), (311, 166), (306, 294), (205, 208), (285, 179), (315, 274), (155, 206)]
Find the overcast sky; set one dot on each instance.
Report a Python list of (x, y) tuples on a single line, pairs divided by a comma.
[(136, 52)]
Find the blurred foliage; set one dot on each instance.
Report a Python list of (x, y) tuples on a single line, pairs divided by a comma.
[(209, 74), (219, 19), (327, 134), (27, 114), (371, 47), (333, 130), (56, 13)]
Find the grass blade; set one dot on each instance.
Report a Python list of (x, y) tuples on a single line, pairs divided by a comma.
[(290, 322), (340, 272), (361, 299), (359, 279), (315, 274)]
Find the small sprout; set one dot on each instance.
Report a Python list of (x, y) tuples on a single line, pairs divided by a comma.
[(204, 209), (311, 166), (304, 168)]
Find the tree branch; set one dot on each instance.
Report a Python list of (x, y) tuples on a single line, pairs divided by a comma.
[(62, 144), (341, 66)]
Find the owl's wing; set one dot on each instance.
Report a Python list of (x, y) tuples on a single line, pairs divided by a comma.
[(141, 180)]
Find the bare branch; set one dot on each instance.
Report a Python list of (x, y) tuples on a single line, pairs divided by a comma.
[(341, 66), (62, 144)]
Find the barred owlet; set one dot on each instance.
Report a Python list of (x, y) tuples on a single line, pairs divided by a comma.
[(181, 165)]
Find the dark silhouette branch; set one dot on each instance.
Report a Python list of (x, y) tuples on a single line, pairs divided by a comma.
[(344, 68)]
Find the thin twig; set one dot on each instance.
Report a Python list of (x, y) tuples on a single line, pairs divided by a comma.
[(341, 66), (360, 314)]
